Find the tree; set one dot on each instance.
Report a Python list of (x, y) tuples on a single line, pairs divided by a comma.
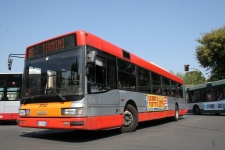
[(191, 78), (211, 53)]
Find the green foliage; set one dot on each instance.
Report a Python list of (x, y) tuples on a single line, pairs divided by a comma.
[(191, 78), (211, 53), (182, 76)]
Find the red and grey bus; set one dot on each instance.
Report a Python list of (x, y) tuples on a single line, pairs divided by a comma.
[(10, 89), (82, 82)]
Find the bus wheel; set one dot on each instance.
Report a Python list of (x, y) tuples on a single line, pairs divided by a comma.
[(196, 110), (176, 115), (130, 119)]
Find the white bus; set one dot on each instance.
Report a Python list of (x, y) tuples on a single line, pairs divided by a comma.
[(10, 89), (207, 98)]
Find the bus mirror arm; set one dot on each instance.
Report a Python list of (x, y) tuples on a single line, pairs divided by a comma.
[(10, 60)]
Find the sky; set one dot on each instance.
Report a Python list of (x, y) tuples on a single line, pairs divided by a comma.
[(159, 31)]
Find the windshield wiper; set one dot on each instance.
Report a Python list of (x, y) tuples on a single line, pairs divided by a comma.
[(51, 91), (25, 99), (59, 96)]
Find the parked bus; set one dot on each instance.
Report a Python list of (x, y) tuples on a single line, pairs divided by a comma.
[(82, 82), (207, 98), (10, 89)]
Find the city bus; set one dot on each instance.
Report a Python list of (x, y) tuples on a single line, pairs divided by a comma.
[(79, 81), (10, 90), (207, 98)]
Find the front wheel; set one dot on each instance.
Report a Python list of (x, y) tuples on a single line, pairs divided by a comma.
[(130, 119)]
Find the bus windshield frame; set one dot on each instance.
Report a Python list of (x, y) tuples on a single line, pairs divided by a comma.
[(54, 77)]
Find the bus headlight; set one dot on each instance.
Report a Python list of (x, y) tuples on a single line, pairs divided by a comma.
[(22, 112), (72, 111)]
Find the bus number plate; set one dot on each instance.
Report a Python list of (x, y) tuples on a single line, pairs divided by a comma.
[(41, 123)]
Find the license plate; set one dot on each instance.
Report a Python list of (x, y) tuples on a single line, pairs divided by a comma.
[(41, 123)]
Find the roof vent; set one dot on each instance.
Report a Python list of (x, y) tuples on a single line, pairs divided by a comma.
[(126, 54)]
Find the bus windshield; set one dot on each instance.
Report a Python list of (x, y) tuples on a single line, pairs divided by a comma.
[(54, 75)]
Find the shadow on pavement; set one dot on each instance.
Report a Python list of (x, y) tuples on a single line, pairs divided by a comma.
[(86, 136), (8, 123)]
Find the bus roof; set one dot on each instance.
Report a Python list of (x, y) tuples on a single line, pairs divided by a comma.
[(208, 84), (86, 38)]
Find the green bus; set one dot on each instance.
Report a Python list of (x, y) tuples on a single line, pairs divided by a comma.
[(207, 98)]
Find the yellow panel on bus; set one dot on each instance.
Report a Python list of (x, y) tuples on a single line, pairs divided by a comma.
[(156, 102), (52, 109)]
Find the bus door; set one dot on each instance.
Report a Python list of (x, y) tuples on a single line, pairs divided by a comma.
[(103, 98)]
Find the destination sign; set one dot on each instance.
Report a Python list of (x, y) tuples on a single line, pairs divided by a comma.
[(51, 46)]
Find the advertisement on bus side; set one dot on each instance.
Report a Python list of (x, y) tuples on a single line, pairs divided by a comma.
[(220, 105), (156, 102)]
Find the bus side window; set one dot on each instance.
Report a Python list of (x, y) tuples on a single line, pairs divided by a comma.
[(91, 72), (221, 94), (126, 75), (180, 91), (166, 86), (156, 83), (97, 75), (194, 97), (144, 83), (111, 74), (100, 75), (174, 89)]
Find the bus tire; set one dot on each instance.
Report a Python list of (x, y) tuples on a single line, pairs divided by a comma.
[(176, 113), (196, 110), (130, 119)]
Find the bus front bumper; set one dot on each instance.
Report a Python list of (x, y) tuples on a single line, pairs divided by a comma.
[(85, 123)]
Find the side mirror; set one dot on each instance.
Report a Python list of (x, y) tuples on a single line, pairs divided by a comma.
[(10, 63), (91, 56)]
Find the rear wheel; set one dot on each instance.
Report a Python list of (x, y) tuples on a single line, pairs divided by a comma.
[(130, 119), (196, 110)]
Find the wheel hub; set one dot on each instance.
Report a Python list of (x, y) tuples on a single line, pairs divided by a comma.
[(128, 118)]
